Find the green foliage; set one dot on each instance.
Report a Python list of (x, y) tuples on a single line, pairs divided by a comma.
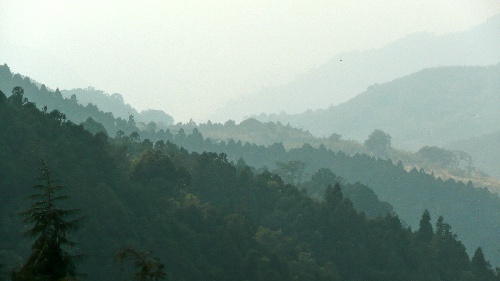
[(291, 172), (425, 232), (92, 126), (227, 222), (50, 228), (153, 164), (378, 143), (147, 267), (17, 98)]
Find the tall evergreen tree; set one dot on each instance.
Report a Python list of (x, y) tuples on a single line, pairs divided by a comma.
[(48, 260), (480, 267), (425, 232)]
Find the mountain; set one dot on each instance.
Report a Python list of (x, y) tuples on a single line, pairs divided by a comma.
[(408, 192), (484, 149), (431, 107), (78, 105), (115, 104), (204, 217), (473, 211), (350, 73)]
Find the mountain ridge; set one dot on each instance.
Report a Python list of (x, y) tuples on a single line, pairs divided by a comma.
[(431, 107), (350, 73)]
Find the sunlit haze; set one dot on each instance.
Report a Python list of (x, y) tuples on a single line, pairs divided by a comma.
[(189, 58)]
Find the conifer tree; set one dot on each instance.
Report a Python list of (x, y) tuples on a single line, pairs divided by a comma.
[(50, 227), (425, 232), (480, 267)]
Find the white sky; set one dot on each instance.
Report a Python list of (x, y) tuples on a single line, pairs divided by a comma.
[(189, 57)]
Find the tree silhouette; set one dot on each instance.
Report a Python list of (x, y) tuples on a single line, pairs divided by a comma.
[(148, 268), (49, 260), (378, 142), (292, 171), (134, 136), (17, 98), (425, 232)]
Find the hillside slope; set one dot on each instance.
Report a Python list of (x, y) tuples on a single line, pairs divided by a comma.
[(473, 211), (206, 218), (348, 74), (115, 104), (431, 107)]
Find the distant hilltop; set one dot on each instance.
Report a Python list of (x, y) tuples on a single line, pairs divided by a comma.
[(350, 73)]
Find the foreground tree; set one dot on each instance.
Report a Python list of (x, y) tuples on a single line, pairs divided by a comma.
[(148, 268), (49, 260)]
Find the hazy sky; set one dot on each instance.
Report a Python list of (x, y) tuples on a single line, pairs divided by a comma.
[(189, 57)]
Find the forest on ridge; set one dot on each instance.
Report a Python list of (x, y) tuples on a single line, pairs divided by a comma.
[(209, 211)]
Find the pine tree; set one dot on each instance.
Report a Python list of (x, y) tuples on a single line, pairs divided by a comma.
[(480, 267), (425, 232), (49, 260)]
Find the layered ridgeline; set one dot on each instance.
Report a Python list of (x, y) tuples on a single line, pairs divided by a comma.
[(206, 218), (431, 107), (472, 211), (122, 119), (116, 104), (447, 163), (410, 194), (79, 104), (349, 74)]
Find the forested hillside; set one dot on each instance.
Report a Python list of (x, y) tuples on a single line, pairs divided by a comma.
[(204, 217), (256, 132), (431, 107), (447, 163), (419, 192), (472, 211), (116, 105), (123, 119), (116, 115)]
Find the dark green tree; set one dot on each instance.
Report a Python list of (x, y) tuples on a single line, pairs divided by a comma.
[(17, 98), (148, 268), (119, 134), (2, 273), (94, 127), (131, 120), (378, 142), (292, 171), (333, 195), (481, 267), (49, 224), (425, 232), (134, 136)]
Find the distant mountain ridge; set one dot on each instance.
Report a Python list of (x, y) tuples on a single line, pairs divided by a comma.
[(431, 107), (78, 105), (348, 74), (116, 104)]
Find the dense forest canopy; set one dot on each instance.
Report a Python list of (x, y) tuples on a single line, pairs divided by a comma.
[(125, 120), (207, 218)]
